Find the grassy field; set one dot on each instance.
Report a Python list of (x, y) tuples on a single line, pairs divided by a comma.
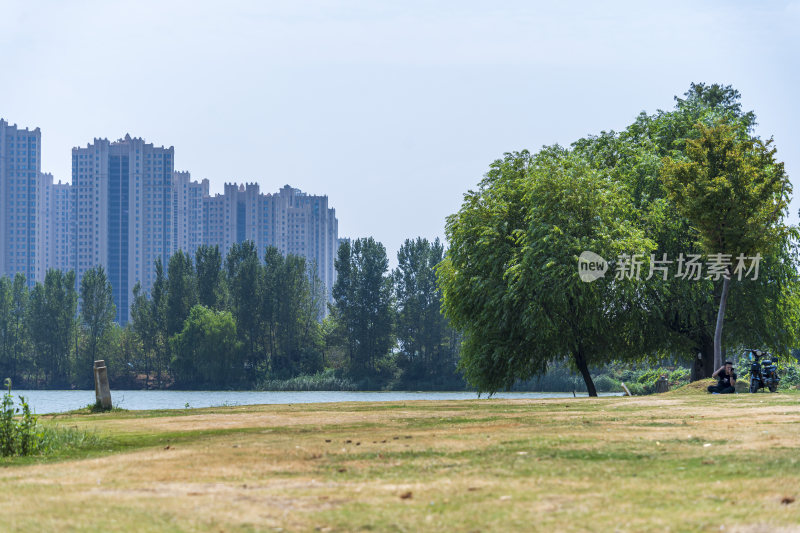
[(682, 461)]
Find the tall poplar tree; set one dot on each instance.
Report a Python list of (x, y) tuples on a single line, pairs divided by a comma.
[(97, 317)]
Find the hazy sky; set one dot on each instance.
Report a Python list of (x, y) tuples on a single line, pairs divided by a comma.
[(393, 110)]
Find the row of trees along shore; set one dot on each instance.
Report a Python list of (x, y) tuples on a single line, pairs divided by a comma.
[(691, 180), (694, 180), (238, 322)]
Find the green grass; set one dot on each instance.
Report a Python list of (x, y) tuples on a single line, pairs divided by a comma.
[(684, 460)]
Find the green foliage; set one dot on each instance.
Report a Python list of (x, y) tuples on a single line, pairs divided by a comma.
[(788, 372), (326, 380), (13, 326), (291, 300), (639, 378), (124, 357), (510, 279), (683, 314), (506, 279), (57, 440), (272, 308), (181, 291), (206, 351), (277, 309), (636, 389), (97, 316), (210, 279), (560, 377), (643, 380), (18, 437), (730, 187), (733, 191), (148, 316), (51, 318), (244, 278), (428, 346), (606, 383), (363, 306), (790, 375)]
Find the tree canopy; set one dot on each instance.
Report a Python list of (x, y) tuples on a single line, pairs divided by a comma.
[(510, 280)]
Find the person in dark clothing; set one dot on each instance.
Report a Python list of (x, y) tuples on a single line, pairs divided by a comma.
[(727, 379)]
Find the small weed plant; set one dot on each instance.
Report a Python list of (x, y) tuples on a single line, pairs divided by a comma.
[(19, 435)]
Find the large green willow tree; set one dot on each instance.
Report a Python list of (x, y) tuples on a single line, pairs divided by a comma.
[(510, 280), (683, 313), (515, 241)]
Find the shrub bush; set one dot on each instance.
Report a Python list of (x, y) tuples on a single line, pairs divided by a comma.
[(560, 377), (790, 375), (321, 381), (637, 389), (605, 383)]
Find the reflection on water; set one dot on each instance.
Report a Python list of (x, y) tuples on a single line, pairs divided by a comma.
[(56, 401)]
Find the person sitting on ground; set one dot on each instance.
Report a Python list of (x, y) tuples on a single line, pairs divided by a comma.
[(727, 379)]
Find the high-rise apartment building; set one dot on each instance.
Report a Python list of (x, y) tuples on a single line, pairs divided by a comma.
[(63, 226), (290, 220), (304, 225), (187, 206), (55, 227), (123, 212), (20, 165), (234, 217)]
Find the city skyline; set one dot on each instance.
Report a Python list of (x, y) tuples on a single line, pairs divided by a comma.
[(127, 207), (395, 110)]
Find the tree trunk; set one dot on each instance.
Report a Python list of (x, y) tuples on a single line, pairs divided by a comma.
[(580, 362), (723, 300), (703, 363)]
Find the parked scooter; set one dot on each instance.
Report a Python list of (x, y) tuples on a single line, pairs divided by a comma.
[(763, 372)]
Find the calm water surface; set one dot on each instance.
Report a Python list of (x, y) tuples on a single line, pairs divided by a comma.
[(57, 401)]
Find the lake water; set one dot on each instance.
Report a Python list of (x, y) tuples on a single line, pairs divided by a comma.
[(57, 401)]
